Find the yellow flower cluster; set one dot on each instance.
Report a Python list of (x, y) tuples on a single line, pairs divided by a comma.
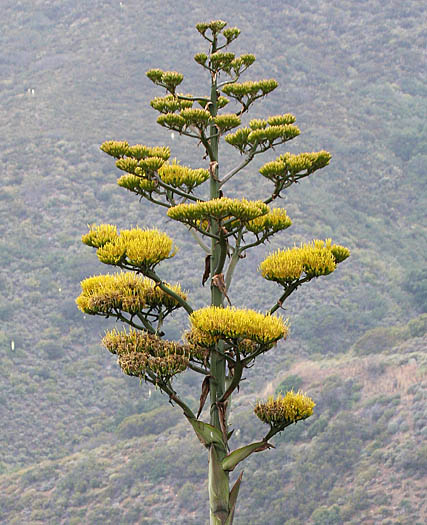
[(171, 121), (125, 291), (140, 167), (140, 352), (314, 259), (290, 408), (219, 209), (142, 249), (100, 235), (274, 221), (176, 175), (237, 324), (290, 165)]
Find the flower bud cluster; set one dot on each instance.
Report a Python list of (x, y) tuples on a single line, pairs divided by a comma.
[(136, 184), (227, 121), (251, 89), (170, 104), (215, 27), (168, 79), (219, 209), (120, 149), (289, 165), (176, 175), (264, 132)]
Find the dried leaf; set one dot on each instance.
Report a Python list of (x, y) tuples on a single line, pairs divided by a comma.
[(212, 169), (207, 269), (204, 394), (222, 412), (219, 282)]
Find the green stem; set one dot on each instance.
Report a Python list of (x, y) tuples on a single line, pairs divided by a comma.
[(234, 260), (152, 275), (199, 241), (288, 290), (233, 172), (218, 478), (177, 191)]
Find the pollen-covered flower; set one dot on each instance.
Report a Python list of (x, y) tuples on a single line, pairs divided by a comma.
[(100, 235), (274, 221), (312, 259), (141, 249), (125, 291), (290, 408), (238, 324), (139, 352)]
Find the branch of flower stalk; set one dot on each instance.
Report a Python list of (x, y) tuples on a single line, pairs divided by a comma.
[(223, 255), (177, 191), (279, 187), (234, 259), (154, 201), (245, 107), (128, 321), (247, 360), (259, 241), (199, 241), (237, 376), (288, 290), (193, 99), (146, 324), (197, 369), (233, 172), (231, 81), (275, 430), (167, 388), (207, 146), (152, 275), (204, 232)]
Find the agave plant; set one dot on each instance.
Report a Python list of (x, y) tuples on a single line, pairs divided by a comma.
[(221, 340)]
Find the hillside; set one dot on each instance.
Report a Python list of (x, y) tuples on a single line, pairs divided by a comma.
[(72, 76), (363, 456)]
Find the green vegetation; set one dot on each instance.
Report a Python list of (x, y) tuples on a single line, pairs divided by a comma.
[(351, 74)]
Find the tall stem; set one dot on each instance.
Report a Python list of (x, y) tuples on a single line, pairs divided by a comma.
[(218, 478)]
